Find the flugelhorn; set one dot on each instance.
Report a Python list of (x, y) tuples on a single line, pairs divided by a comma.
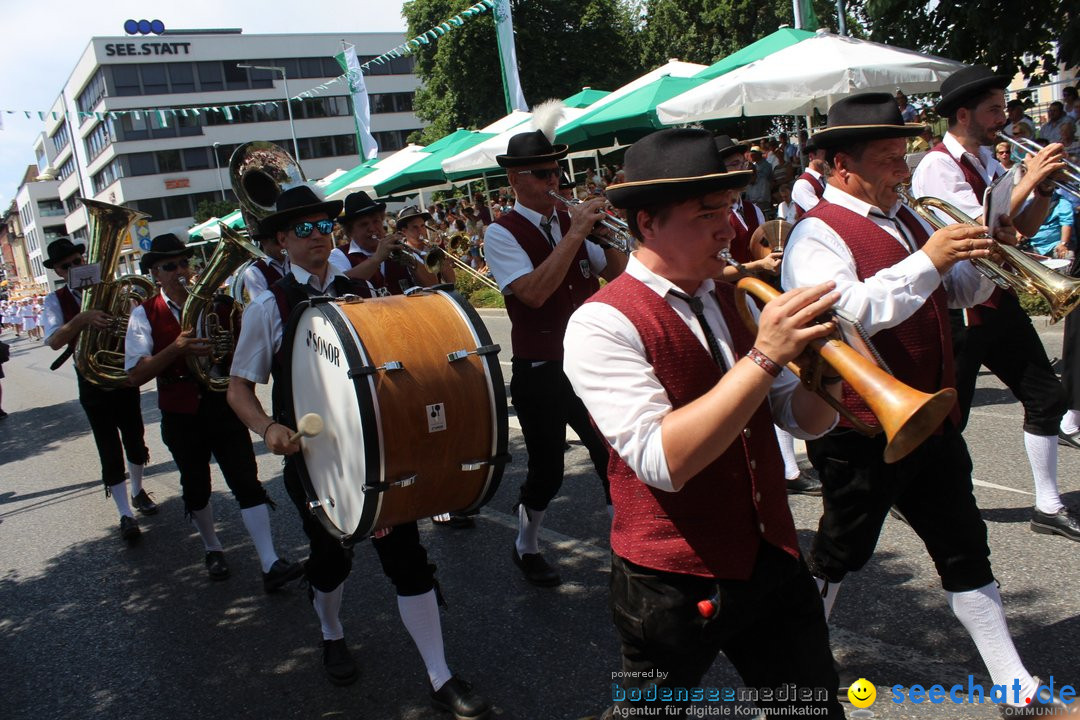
[(907, 416), (1028, 276), (1067, 180)]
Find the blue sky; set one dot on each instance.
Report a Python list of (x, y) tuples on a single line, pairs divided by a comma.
[(45, 39)]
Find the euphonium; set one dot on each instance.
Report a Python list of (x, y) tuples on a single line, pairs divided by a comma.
[(99, 352), (1026, 275), (214, 315)]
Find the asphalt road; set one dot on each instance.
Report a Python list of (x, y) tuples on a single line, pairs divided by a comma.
[(92, 629)]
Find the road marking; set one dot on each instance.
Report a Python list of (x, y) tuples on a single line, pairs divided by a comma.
[(995, 486)]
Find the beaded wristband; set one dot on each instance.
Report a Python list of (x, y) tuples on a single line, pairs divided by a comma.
[(764, 362), (265, 429)]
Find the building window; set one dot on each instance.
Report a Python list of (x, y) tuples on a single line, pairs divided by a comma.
[(67, 168), (390, 140), (71, 203), (391, 102), (210, 76), (126, 80), (92, 93), (32, 240), (99, 139), (395, 66), (50, 208), (181, 77), (155, 81), (106, 176), (61, 138), (81, 235)]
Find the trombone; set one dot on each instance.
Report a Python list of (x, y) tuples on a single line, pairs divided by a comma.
[(620, 239), (1067, 180), (434, 256)]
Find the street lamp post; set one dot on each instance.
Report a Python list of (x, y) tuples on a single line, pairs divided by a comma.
[(288, 104), (217, 166)]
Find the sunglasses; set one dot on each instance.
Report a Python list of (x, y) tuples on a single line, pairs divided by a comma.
[(172, 266), (68, 265), (304, 229), (543, 174)]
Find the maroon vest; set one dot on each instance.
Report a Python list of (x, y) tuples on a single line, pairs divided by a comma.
[(178, 390), (819, 188), (714, 526), (268, 271), (537, 333), (396, 278), (69, 306), (918, 350), (740, 244), (377, 280)]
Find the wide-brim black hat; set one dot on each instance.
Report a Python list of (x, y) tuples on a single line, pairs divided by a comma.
[(671, 165), (163, 247), (863, 117), (296, 202), (729, 147), (965, 83), (358, 204), (530, 148), (565, 182), (59, 249), (409, 212)]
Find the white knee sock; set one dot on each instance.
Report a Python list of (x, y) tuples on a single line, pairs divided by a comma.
[(136, 473), (528, 539), (787, 451), (257, 521), (420, 615), (119, 493), (828, 592), (1042, 453), (982, 615), (1071, 422), (204, 522), (328, 608)]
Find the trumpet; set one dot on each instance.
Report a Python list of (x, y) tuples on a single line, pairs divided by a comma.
[(1067, 180), (434, 256), (620, 239), (907, 416)]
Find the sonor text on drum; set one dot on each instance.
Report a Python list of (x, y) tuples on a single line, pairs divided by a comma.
[(323, 348)]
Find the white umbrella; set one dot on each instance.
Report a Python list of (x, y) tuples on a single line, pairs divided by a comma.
[(806, 76), (384, 169)]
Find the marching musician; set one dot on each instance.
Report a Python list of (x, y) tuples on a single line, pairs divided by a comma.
[(197, 422), (705, 558), (998, 333), (898, 280), (408, 270), (538, 255), (115, 415), (264, 272), (369, 245), (303, 224), (810, 186)]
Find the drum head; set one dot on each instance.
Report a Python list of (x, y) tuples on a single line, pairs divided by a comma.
[(336, 463)]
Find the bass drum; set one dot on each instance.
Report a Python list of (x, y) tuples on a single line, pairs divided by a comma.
[(414, 407)]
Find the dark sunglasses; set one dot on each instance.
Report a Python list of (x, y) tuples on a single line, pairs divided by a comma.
[(304, 229), (171, 266), (68, 265), (542, 174)]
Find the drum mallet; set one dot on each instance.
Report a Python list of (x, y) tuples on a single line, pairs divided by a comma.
[(309, 426)]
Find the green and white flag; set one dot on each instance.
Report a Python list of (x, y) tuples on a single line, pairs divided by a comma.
[(361, 108), (805, 17), (504, 33)]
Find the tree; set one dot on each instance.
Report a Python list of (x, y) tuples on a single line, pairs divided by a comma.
[(212, 208), (562, 46)]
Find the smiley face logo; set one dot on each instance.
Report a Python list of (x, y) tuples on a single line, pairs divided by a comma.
[(861, 693)]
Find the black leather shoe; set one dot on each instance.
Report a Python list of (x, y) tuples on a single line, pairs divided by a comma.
[(804, 484), (456, 520), (535, 569), (281, 572), (457, 696), (1069, 439), (1064, 522), (216, 567), (338, 662), (129, 530), (143, 503)]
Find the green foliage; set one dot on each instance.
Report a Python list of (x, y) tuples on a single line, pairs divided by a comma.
[(1034, 304), (487, 298), (212, 208)]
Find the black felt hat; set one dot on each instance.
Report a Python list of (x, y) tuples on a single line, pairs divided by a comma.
[(59, 249), (530, 148), (862, 117), (565, 182), (358, 204), (671, 165), (729, 147), (296, 202), (966, 83), (163, 247)]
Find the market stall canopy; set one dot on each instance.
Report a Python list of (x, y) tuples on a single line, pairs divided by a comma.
[(782, 38), (380, 171), (585, 98), (234, 220), (428, 172)]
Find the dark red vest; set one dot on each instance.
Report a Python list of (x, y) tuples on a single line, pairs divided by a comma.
[(537, 333), (918, 350), (377, 280), (178, 390), (714, 526), (819, 188), (269, 272), (396, 277), (740, 244)]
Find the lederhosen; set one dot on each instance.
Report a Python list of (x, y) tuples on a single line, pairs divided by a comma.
[(403, 558), (541, 393), (197, 423), (932, 485), (999, 335), (115, 415), (727, 535)]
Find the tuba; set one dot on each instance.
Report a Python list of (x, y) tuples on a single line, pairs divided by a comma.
[(259, 172), (214, 315), (99, 352)]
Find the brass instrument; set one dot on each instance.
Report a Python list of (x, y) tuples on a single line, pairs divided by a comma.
[(435, 256), (99, 352), (907, 416), (259, 172), (621, 239), (769, 237), (213, 315), (1067, 180), (1028, 276)]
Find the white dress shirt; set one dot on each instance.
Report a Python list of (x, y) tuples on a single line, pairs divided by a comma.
[(261, 329), (508, 261), (1051, 129), (803, 192), (139, 341), (815, 253), (53, 314), (740, 212), (605, 361), (255, 281), (339, 259), (940, 176), (786, 211)]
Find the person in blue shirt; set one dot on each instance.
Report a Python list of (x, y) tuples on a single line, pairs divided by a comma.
[(1055, 234)]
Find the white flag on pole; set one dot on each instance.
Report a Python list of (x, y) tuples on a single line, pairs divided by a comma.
[(361, 108), (504, 32)]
